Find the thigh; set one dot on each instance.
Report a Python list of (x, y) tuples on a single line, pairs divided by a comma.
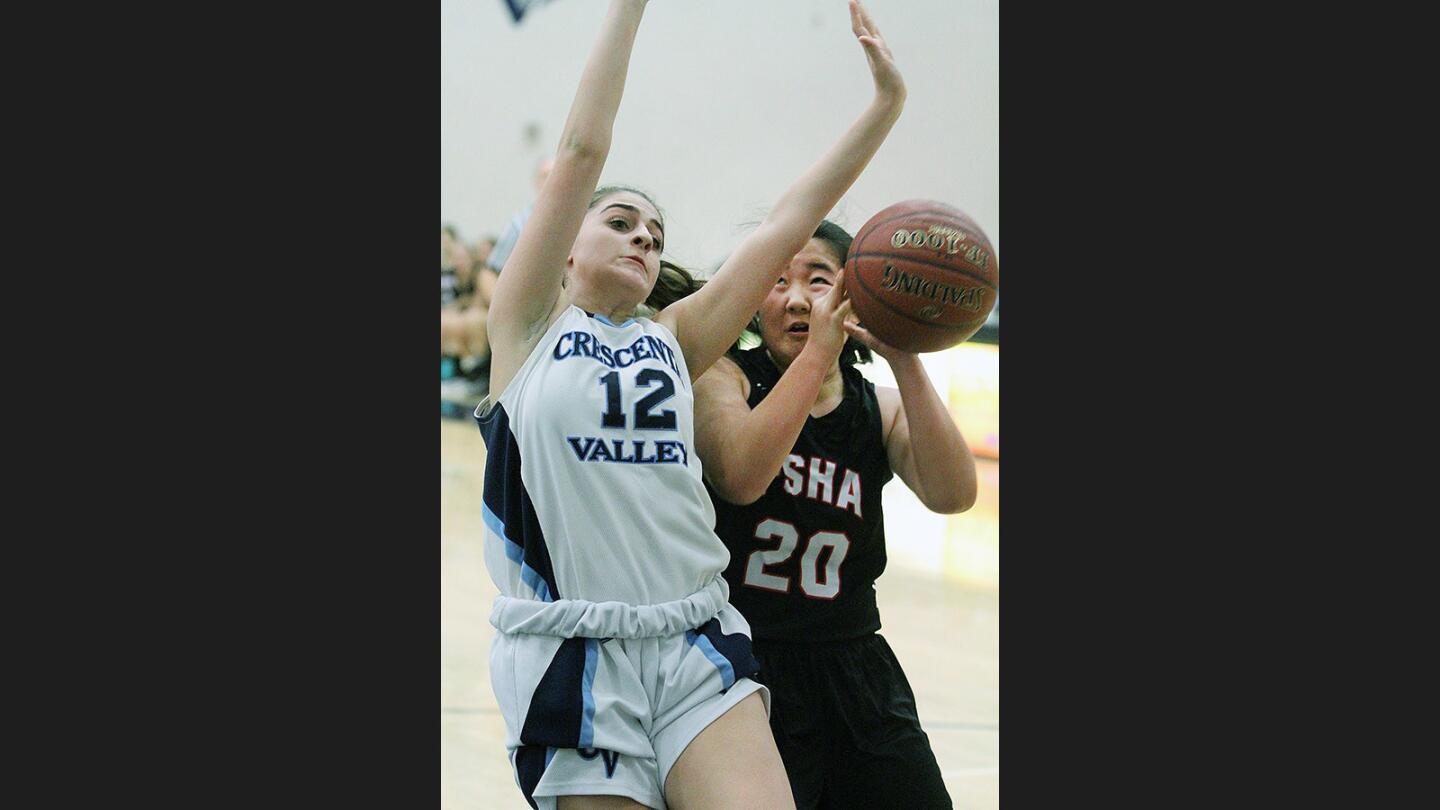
[(733, 763)]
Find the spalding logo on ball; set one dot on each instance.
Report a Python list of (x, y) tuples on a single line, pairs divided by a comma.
[(922, 275)]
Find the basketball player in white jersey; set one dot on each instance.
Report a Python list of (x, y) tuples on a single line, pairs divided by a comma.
[(619, 665)]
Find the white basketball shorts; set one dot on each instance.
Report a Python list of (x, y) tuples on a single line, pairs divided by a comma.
[(602, 714)]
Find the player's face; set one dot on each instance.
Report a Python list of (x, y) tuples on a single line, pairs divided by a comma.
[(619, 245), (785, 313)]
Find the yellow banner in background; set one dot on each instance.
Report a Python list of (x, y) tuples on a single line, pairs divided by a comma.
[(974, 398), (963, 548), (972, 538)]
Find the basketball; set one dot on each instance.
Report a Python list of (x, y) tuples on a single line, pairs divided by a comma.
[(922, 276)]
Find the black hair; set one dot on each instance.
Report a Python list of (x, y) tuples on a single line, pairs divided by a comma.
[(838, 240), (673, 283)]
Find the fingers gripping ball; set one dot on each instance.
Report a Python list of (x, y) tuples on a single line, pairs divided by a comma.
[(922, 276)]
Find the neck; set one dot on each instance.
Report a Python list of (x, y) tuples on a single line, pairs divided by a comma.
[(831, 385), (615, 311)]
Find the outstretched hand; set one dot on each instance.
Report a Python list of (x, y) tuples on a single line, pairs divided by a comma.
[(882, 64)]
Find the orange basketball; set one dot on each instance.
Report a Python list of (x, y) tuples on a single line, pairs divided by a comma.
[(923, 276)]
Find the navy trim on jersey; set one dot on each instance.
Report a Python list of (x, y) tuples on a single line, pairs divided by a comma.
[(607, 321), (516, 553), (507, 509)]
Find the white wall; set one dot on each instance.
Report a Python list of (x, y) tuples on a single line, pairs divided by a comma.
[(727, 102)]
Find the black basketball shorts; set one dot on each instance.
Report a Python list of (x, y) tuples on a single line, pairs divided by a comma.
[(845, 721)]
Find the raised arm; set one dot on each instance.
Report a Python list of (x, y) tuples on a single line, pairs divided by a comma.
[(743, 449), (527, 293), (708, 322)]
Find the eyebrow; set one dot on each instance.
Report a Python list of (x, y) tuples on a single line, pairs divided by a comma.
[(638, 212)]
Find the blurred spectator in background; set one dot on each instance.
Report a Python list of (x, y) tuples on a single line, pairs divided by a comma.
[(484, 276), (463, 339), (448, 240), (512, 231), (467, 280)]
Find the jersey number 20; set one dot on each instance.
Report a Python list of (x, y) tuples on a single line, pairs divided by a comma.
[(811, 582)]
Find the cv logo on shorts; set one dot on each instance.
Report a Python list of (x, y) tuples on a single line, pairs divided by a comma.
[(611, 758)]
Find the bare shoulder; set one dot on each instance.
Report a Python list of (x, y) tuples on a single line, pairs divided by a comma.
[(669, 317), (890, 409), (724, 379), (674, 318), (721, 405), (510, 350)]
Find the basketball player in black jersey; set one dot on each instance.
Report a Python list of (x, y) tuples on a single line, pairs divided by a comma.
[(796, 446)]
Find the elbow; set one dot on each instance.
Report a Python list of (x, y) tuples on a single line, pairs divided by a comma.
[(750, 495), (740, 496), (580, 147), (737, 493), (953, 502)]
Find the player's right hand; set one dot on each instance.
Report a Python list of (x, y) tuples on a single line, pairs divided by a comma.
[(888, 81)]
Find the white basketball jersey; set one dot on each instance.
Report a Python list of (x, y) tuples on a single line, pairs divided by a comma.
[(593, 489)]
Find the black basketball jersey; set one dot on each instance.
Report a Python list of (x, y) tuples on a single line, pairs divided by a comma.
[(805, 556)]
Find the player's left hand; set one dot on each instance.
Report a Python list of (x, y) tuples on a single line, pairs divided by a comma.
[(875, 344)]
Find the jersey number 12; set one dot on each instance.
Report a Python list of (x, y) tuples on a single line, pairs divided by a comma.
[(614, 417)]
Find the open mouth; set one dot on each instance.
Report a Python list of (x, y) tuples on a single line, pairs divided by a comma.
[(799, 328)]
